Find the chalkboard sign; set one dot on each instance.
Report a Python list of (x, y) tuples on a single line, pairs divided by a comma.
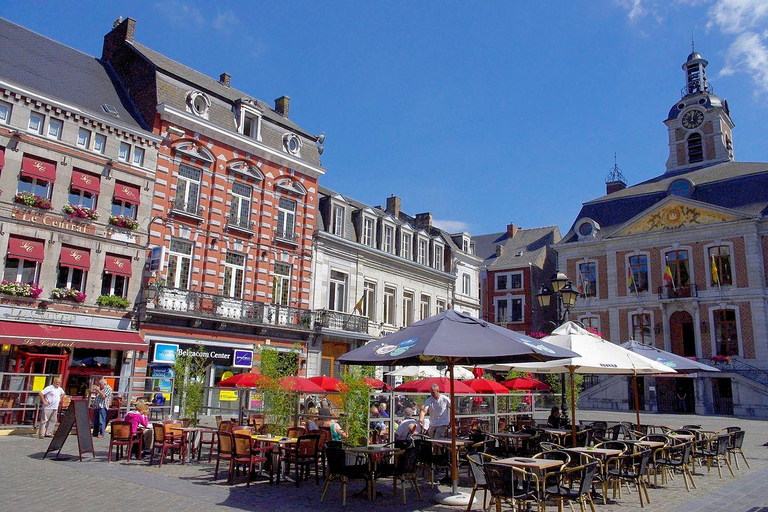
[(77, 415)]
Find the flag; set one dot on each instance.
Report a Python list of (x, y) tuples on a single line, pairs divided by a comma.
[(630, 279), (715, 275), (580, 283), (359, 305), (668, 280)]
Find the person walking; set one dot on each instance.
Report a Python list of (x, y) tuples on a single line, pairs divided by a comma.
[(103, 400), (439, 408), (50, 397)]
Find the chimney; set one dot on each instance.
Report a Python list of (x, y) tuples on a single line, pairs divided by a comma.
[(225, 79), (512, 230), (122, 32), (614, 186), (393, 206), (499, 250), (424, 221), (281, 105)]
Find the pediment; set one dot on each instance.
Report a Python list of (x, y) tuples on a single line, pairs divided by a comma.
[(676, 213)]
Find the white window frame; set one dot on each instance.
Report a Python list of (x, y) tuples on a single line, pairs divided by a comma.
[(138, 156), (71, 282), (369, 301), (388, 238), (406, 244), (369, 231), (82, 132), (55, 128), (708, 259), (422, 247), (188, 189), (440, 305), (176, 260), (113, 279), (508, 275), (649, 277), (99, 143), (691, 270), (425, 306), (438, 263), (631, 329), (39, 124), (240, 205), (250, 117), (596, 292), (337, 290), (501, 318), (234, 275), (281, 283), (20, 270), (6, 109), (390, 305), (337, 219), (124, 153), (512, 299), (409, 297), (466, 284), (286, 218)]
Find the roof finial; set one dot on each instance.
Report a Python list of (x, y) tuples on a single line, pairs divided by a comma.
[(693, 45), (615, 174)]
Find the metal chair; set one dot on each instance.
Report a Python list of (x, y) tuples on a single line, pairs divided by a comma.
[(716, 451), (404, 468), (302, 454), (476, 461), (677, 457), (734, 447), (631, 468), (338, 469), (572, 484), (511, 485)]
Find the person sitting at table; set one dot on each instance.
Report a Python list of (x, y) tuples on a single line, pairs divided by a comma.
[(383, 410), (408, 426), (159, 397), (140, 417), (312, 418), (337, 433), (555, 419)]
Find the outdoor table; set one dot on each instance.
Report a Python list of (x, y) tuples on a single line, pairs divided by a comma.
[(374, 453), (682, 437), (560, 433), (176, 430), (540, 466), (189, 438), (515, 437), (279, 443)]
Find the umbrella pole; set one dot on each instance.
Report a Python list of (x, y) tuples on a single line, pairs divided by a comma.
[(454, 469), (637, 401), (572, 370)]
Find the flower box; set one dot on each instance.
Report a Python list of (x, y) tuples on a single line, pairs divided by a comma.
[(67, 294), (122, 221), (77, 211), (20, 289), (112, 301), (720, 359), (33, 200)]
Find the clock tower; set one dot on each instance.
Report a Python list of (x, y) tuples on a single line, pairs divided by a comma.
[(699, 124)]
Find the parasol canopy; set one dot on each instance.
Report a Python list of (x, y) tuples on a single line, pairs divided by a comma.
[(678, 363), (243, 380), (525, 384), (329, 383), (424, 385), (424, 372), (377, 384), (298, 384), (486, 386)]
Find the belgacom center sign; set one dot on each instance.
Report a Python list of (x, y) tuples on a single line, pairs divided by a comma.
[(164, 352)]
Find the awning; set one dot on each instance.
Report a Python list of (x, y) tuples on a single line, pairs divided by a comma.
[(86, 182), (127, 193), (118, 265), (38, 335), (34, 168), (76, 258), (25, 249)]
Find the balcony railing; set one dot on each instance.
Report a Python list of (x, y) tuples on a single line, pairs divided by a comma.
[(343, 321), (286, 235), (242, 223), (179, 205), (679, 292), (228, 309)]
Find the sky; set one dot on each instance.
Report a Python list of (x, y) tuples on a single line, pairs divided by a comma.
[(482, 113)]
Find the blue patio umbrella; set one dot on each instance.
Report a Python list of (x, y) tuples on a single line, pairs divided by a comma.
[(453, 338)]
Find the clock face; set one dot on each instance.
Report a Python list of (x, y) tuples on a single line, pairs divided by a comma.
[(693, 118)]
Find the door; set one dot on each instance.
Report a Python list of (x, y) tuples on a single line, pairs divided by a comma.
[(686, 398), (681, 334), (722, 393), (666, 397)]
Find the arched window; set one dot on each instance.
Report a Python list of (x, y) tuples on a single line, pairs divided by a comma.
[(695, 149)]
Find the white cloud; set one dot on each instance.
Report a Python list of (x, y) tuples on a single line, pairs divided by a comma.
[(451, 226), (749, 54), (187, 14), (737, 16), (639, 9), (225, 20)]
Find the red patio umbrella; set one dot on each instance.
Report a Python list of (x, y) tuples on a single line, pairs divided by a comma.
[(525, 384), (329, 383), (377, 384), (243, 380), (486, 386), (301, 385), (423, 385)]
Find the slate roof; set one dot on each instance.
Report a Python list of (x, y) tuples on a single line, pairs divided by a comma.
[(210, 84), (741, 186), (528, 245), (61, 72)]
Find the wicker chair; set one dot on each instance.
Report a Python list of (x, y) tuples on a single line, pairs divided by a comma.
[(165, 442), (121, 436), (339, 470), (225, 450), (572, 484)]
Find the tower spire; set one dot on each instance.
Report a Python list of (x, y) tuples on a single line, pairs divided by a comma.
[(695, 72)]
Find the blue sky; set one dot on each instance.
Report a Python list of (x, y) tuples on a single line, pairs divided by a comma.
[(482, 113)]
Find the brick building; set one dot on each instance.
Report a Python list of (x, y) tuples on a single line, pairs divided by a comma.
[(679, 261), (515, 264), (77, 174), (233, 212)]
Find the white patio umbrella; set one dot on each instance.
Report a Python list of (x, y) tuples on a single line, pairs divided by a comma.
[(597, 356), (459, 372)]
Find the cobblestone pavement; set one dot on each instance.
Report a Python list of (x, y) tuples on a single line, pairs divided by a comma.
[(29, 483)]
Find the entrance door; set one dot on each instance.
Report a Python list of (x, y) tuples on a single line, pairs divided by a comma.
[(682, 335), (686, 398), (723, 396)]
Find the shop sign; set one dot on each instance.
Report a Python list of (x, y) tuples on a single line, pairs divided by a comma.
[(243, 358), (54, 222), (227, 395)]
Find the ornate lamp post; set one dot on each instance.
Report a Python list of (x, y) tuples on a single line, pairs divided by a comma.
[(565, 297)]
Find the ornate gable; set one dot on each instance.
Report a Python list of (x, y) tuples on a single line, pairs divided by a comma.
[(675, 213)]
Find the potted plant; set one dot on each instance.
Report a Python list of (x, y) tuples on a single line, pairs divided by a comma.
[(77, 211), (124, 222), (112, 301), (33, 200), (20, 289), (68, 294)]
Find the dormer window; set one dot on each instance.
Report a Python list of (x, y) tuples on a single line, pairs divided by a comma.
[(438, 257), (586, 228), (680, 188), (198, 103), (292, 143), (337, 220), (369, 231), (406, 244)]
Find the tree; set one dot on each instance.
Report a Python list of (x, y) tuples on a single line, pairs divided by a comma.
[(188, 383), (356, 403), (280, 404)]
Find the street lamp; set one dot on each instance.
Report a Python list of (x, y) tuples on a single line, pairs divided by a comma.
[(565, 298)]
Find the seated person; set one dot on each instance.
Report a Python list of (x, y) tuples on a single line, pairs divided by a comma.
[(159, 397), (408, 426), (556, 420), (312, 419), (383, 410), (140, 417)]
